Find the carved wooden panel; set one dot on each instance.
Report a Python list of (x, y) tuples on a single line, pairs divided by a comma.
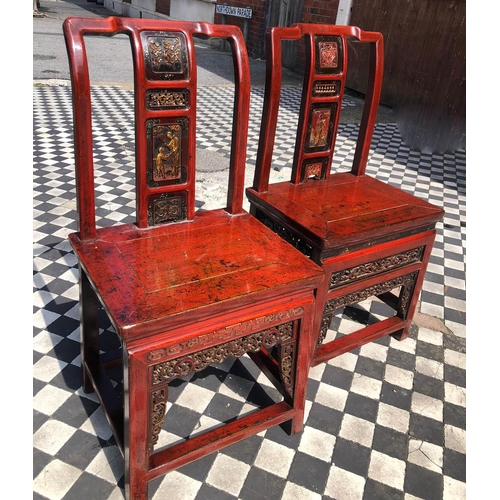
[(158, 409), (326, 88), (329, 55), (314, 169), (406, 282), (167, 207), (167, 151), (319, 133), (165, 55), (375, 267), (167, 99), (185, 365)]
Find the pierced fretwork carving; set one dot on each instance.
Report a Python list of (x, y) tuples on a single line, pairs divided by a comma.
[(286, 357), (227, 333), (326, 88), (158, 408), (368, 269), (183, 366), (167, 99), (406, 282), (167, 208)]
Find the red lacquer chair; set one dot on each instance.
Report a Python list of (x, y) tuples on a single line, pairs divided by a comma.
[(372, 239), (183, 289)]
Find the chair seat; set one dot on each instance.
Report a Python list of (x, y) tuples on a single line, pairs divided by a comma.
[(345, 212), (154, 279)]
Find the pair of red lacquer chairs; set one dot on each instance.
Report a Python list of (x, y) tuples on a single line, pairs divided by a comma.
[(186, 289)]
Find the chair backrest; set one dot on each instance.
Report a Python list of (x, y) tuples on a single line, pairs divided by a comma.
[(165, 81), (325, 74)]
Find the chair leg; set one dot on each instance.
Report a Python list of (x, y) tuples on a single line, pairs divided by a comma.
[(407, 304), (137, 430), (304, 354), (403, 333), (89, 328)]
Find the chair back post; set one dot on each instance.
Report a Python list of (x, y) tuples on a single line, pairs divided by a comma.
[(82, 123), (372, 100), (270, 110), (241, 114)]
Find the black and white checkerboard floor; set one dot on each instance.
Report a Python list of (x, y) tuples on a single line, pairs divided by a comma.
[(386, 421)]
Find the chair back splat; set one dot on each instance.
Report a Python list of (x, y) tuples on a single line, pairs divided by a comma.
[(372, 239), (182, 289)]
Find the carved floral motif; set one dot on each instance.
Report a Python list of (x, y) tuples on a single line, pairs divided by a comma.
[(165, 54), (165, 99), (407, 284), (227, 333), (167, 209), (313, 170), (328, 54), (183, 366), (158, 408), (368, 269)]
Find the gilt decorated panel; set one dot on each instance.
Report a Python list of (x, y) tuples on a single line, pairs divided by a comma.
[(165, 55), (319, 133), (167, 151), (167, 207), (329, 55)]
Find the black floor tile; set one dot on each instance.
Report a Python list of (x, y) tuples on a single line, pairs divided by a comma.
[(309, 472), (208, 492), (454, 465), (426, 429), (432, 387), (75, 410), (456, 376), (245, 450), (89, 486), (325, 419), (395, 396), (362, 407), (370, 367), (337, 377), (80, 449), (390, 442), (423, 483), (400, 359), (454, 415), (200, 468), (351, 456), (223, 408), (262, 485), (378, 491), (40, 461), (430, 351)]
